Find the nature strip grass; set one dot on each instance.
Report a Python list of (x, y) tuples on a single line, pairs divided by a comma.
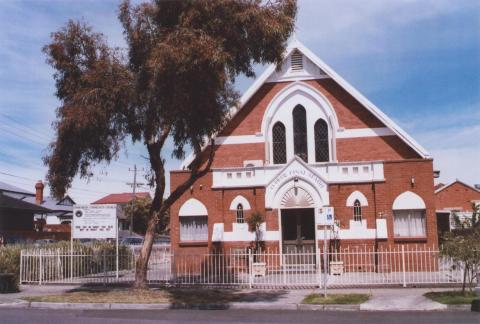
[(335, 299), (455, 297), (154, 296)]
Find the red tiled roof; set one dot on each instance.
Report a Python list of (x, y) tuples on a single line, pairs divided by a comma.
[(438, 186), (120, 198)]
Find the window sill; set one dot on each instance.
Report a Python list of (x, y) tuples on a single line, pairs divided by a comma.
[(410, 239), (193, 243)]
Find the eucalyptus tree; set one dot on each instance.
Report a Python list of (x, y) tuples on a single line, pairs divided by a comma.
[(174, 80)]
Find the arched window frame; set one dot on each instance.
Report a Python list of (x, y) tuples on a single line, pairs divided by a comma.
[(240, 215), (300, 137), (322, 147), (357, 211), (279, 143)]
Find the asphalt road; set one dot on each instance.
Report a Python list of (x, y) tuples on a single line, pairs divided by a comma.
[(14, 316)]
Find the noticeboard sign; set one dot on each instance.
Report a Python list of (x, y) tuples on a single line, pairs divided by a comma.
[(325, 216), (94, 221)]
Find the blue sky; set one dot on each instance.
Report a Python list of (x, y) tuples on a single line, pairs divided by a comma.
[(419, 61)]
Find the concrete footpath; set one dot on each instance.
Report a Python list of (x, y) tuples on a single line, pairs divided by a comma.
[(388, 299)]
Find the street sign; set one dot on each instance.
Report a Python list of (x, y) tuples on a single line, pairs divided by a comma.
[(325, 216), (94, 221)]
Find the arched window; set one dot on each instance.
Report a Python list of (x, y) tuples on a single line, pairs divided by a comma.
[(193, 217), (279, 144), (357, 211), (240, 218), (321, 141), (300, 132)]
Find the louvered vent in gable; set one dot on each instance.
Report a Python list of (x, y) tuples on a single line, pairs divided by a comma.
[(296, 61)]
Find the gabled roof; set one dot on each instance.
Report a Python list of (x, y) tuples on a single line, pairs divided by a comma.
[(19, 204), (120, 198), (8, 187), (297, 45), (454, 182), (54, 204)]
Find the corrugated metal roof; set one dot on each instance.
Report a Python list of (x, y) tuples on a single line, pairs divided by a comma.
[(8, 187)]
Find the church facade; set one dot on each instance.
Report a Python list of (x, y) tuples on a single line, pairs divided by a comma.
[(303, 139)]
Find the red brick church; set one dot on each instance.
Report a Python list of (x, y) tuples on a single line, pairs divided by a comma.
[(301, 139)]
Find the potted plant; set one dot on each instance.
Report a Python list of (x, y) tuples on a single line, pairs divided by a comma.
[(255, 222)]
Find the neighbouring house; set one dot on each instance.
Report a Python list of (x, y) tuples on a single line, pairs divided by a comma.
[(301, 139), (16, 216), (456, 198), (60, 216), (41, 216), (121, 199)]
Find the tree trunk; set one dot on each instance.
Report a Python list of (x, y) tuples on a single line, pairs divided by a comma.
[(465, 277), (159, 205), (141, 265)]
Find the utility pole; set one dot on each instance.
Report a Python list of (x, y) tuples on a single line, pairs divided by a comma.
[(134, 196)]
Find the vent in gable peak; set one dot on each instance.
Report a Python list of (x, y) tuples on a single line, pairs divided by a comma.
[(296, 61)]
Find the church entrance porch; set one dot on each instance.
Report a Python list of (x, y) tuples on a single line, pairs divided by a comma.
[(298, 235)]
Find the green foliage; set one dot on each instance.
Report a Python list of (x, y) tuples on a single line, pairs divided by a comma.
[(463, 247), (55, 261), (254, 222), (173, 81), (141, 212), (10, 263), (452, 297), (467, 224), (343, 299)]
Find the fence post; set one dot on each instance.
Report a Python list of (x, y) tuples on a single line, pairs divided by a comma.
[(250, 269), (319, 265), (403, 267), (21, 266), (40, 268), (104, 267)]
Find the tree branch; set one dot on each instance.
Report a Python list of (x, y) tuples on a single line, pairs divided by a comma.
[(194, 175)]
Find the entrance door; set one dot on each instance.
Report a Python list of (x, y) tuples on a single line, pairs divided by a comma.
[(298, 234)]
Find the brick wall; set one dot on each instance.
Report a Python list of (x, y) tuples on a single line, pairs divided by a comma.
[(350, 113), (456, 195), (380, 198)]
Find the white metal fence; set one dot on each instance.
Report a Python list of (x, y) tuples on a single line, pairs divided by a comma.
[(241, 268)]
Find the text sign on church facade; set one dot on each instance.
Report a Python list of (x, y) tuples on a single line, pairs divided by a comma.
[(297, 172)]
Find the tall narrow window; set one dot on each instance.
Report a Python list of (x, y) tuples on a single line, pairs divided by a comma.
[(357, 211), (279, 144), (321, 141), (240, 218), (300, 132)]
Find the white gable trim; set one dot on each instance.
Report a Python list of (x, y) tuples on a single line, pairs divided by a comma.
[(408, 200), (193, 207), (361, 98), (295, 44), (240, 200), (364, 132), (357, 195)]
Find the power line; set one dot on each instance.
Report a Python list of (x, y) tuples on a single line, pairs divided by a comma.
[(71, 188), (27, 127)]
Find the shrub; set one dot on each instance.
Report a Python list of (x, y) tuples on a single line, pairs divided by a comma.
[(10, 263)]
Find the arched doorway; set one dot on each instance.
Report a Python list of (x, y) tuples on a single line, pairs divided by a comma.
[(297, 221)]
